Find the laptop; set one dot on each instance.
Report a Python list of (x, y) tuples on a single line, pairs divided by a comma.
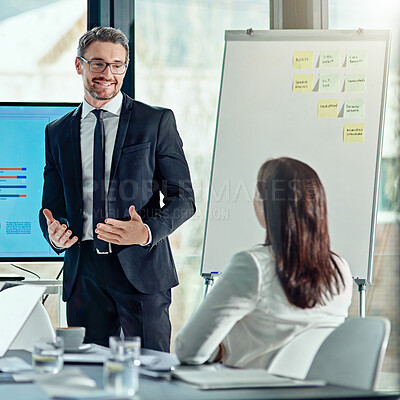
[(17, 305)]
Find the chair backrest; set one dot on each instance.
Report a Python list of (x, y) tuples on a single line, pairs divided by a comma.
[(37, 327), (353, 353), (294, 359)]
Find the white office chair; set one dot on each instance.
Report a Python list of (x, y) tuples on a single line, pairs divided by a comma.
[(353, 353), (37, 327), (294, 359)]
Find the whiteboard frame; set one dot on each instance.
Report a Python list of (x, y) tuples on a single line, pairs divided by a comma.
[(312, 35)]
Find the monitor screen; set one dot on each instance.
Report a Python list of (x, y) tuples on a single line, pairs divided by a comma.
[(22, 146)]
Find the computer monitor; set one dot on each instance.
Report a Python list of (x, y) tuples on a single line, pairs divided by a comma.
[(22, 160)]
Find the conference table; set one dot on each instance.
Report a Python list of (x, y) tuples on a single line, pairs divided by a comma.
[(156, 388)]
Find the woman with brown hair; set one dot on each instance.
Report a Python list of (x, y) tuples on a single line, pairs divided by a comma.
[(269, 294)]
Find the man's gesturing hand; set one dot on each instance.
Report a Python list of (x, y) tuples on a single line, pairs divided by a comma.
[(124, 232), (59, 234)]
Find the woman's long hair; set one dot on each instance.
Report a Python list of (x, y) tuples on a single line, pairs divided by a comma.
[(297, 229)]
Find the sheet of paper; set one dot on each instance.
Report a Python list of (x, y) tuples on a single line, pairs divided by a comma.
[(14, 365), (71, 383), (6, 378), (220, 377), (357, 58), (303, 59), (26, 391), (303, 83), (353, 133), (329, 58), (354, 108), (355, 83), (328, 83), (327, 108)]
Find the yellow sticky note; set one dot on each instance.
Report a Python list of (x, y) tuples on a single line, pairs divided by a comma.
[(353, 133), (357, 58), (354, 108), (328, 83), (327, 108), (355, 83), (329, 58), (303, 83), (303, 59)]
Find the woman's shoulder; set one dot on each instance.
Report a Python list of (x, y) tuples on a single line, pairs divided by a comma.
[(260, 256), (340, 261), (248, 269), (261, 253), (343, 266)]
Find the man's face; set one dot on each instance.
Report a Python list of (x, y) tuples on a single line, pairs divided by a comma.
[(101, 87)]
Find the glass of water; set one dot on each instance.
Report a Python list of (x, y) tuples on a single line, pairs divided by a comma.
[(121, 369), (129, 345), (47, 356)]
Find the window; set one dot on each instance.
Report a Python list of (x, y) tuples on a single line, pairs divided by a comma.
[(178, 64), (382, 297), (40, 47), (38, 44)]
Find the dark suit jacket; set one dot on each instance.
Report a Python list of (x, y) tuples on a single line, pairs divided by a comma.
[(148, 159)]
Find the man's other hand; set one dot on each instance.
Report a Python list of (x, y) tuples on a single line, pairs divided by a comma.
[(59, 234), (120, 232)]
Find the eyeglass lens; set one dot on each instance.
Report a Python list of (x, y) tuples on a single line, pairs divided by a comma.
[(99, 66)]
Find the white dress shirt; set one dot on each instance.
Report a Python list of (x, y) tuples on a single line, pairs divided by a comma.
[(247, 310), (88, 123)]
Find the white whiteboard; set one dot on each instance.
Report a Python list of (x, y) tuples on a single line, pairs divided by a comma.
[(261, 117)]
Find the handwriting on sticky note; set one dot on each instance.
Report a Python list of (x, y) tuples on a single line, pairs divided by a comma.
[(327, 108), (328, 83), (303, 59), (357, 58), (329, 58), (303, 83), (353, 133), (354, 108), (355, 83)]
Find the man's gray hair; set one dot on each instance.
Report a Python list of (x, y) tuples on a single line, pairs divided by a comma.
[(103, 34)]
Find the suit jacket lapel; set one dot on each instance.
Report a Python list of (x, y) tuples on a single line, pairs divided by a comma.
[(76, 148), (121, 133)]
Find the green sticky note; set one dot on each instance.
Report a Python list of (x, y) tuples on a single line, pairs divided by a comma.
[(329, 58), (354, 108), (355, 83), (357, 58), (328, 83)]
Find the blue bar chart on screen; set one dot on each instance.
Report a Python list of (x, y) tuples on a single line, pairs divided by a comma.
[(22, 145)]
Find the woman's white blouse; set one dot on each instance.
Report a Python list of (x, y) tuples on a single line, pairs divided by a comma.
[(249, 313)]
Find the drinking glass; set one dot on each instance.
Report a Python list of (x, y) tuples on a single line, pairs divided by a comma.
[(47, 356), (129, 345), (121, 369)]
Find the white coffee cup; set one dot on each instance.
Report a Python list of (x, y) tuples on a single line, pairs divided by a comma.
[(73, 336)]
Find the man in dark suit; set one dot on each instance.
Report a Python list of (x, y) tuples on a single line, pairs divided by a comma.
[(107, 165)]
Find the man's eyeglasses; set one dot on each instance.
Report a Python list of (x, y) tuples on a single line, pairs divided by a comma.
[(100, 66)]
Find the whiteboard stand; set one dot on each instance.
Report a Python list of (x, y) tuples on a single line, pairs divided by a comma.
[(362, 289), (208, 280)]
